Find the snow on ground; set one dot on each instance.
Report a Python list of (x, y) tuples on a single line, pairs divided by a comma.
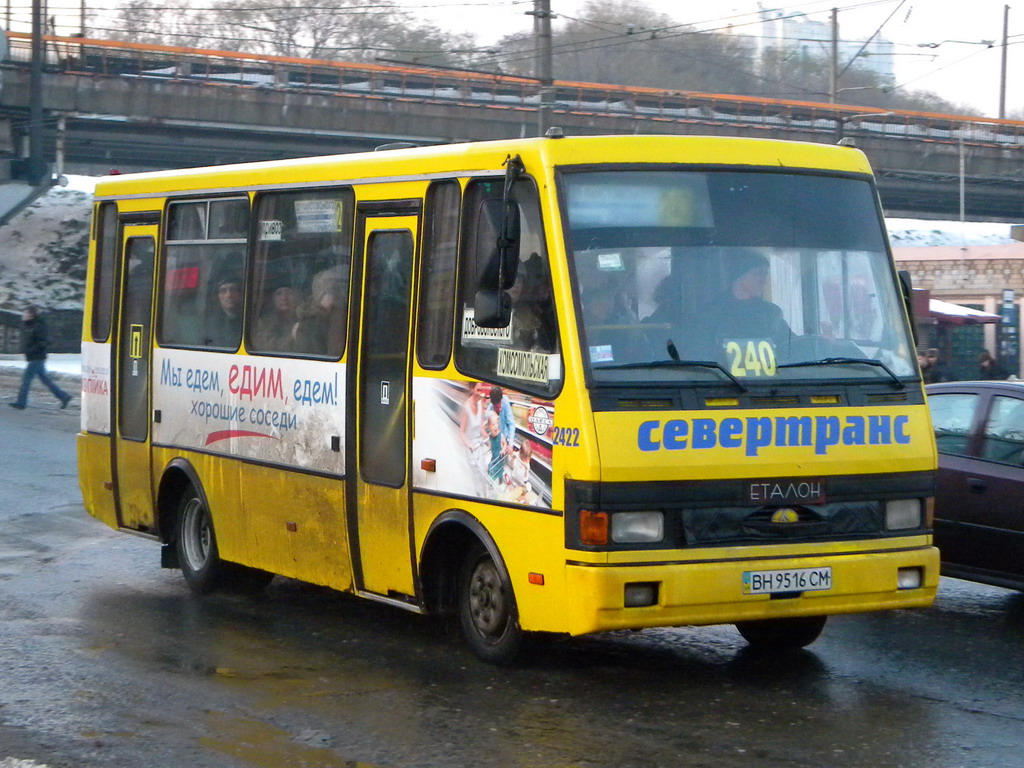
[(69, 363)]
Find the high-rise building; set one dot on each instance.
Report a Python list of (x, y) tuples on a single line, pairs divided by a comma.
[(780, 28)]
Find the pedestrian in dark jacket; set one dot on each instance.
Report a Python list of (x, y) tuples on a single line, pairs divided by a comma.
[(34, 343)]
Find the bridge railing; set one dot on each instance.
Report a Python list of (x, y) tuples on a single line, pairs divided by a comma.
[(106, 58)]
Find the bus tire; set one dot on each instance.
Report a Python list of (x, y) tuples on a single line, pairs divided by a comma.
[(782, 634), (487, 609), (198, 556)]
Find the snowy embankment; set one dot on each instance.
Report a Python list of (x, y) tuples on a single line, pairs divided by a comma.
[(43, 250)]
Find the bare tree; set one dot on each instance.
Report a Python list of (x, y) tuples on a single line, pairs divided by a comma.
[(165, 22), (352, 30), (625, 42), (620, 42)]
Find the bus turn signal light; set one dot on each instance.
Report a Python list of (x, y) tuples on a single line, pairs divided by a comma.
[(593, 528)]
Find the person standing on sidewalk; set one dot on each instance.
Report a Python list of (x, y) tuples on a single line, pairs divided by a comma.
[(34, 343)]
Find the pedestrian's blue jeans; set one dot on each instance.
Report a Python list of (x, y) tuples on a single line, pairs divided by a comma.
[(33, 369)]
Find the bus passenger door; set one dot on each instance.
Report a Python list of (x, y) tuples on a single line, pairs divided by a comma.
[(380, 522), (133, 352)]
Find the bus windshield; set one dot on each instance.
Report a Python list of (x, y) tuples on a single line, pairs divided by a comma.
[(758, 276)]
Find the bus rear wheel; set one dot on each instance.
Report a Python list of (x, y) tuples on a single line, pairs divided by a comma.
[(782, 634), (487, 609), (198, 556)]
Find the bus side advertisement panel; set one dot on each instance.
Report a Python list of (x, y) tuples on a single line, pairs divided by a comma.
[(95, 387), (288, 412), (465, 445)]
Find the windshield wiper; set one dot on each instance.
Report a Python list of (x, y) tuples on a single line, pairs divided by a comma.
[(677, 364), (846, 360)]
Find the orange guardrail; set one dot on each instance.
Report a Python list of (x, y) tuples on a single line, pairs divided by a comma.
[(113, 57)]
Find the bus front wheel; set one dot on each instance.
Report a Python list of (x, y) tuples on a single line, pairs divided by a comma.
[(782, 634), (487, 609), (198, 557)]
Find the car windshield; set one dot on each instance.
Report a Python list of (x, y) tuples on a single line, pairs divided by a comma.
[(758, 276)]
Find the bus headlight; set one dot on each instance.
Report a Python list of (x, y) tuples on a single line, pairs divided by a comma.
[(638, 527), (902, 513)]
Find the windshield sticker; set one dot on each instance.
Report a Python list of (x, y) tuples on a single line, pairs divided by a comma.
[(610, 262), (602, 353), (319, 216), (271, 230), (520, 364), (472, 332)]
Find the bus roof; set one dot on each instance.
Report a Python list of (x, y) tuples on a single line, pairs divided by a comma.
[(475, 157)]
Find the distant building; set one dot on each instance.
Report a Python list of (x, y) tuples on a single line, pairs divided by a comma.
[(975, 276), (780, 28)]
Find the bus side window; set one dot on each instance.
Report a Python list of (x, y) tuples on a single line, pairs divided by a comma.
[(440, 242), (298, 303), (525, 355), (103, 276), (204, 273)]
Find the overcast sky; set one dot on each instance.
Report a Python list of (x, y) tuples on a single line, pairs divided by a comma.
[(960, 68)]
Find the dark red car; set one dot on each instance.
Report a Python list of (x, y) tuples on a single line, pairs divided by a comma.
[(979, 503)]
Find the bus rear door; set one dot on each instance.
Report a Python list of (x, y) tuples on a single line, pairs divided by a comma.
[(379, 508), (131, 403)]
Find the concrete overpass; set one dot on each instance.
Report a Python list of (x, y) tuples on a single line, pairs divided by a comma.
[(134, 107)]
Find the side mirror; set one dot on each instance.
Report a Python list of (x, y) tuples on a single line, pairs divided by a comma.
[(492, 309), (907, 290), (497, 245)]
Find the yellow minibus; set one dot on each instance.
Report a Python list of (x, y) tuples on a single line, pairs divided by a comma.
[(551, 385)]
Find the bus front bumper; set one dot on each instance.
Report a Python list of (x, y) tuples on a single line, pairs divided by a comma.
[(713, 591)]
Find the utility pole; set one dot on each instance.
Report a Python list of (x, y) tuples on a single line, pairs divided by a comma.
[(1002, 77), (542, 64), (833, 87), (36, 165)]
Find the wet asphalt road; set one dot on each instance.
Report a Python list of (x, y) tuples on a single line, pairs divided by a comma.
[(107, 660)]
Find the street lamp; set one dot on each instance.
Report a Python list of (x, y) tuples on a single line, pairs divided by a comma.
[(986, 43)]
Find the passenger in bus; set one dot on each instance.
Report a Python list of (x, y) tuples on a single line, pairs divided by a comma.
[(275, 325), (666, 300), (321, 325), (664, 322), (743, 312), (613, 332), (223, 326), (533, 308)]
